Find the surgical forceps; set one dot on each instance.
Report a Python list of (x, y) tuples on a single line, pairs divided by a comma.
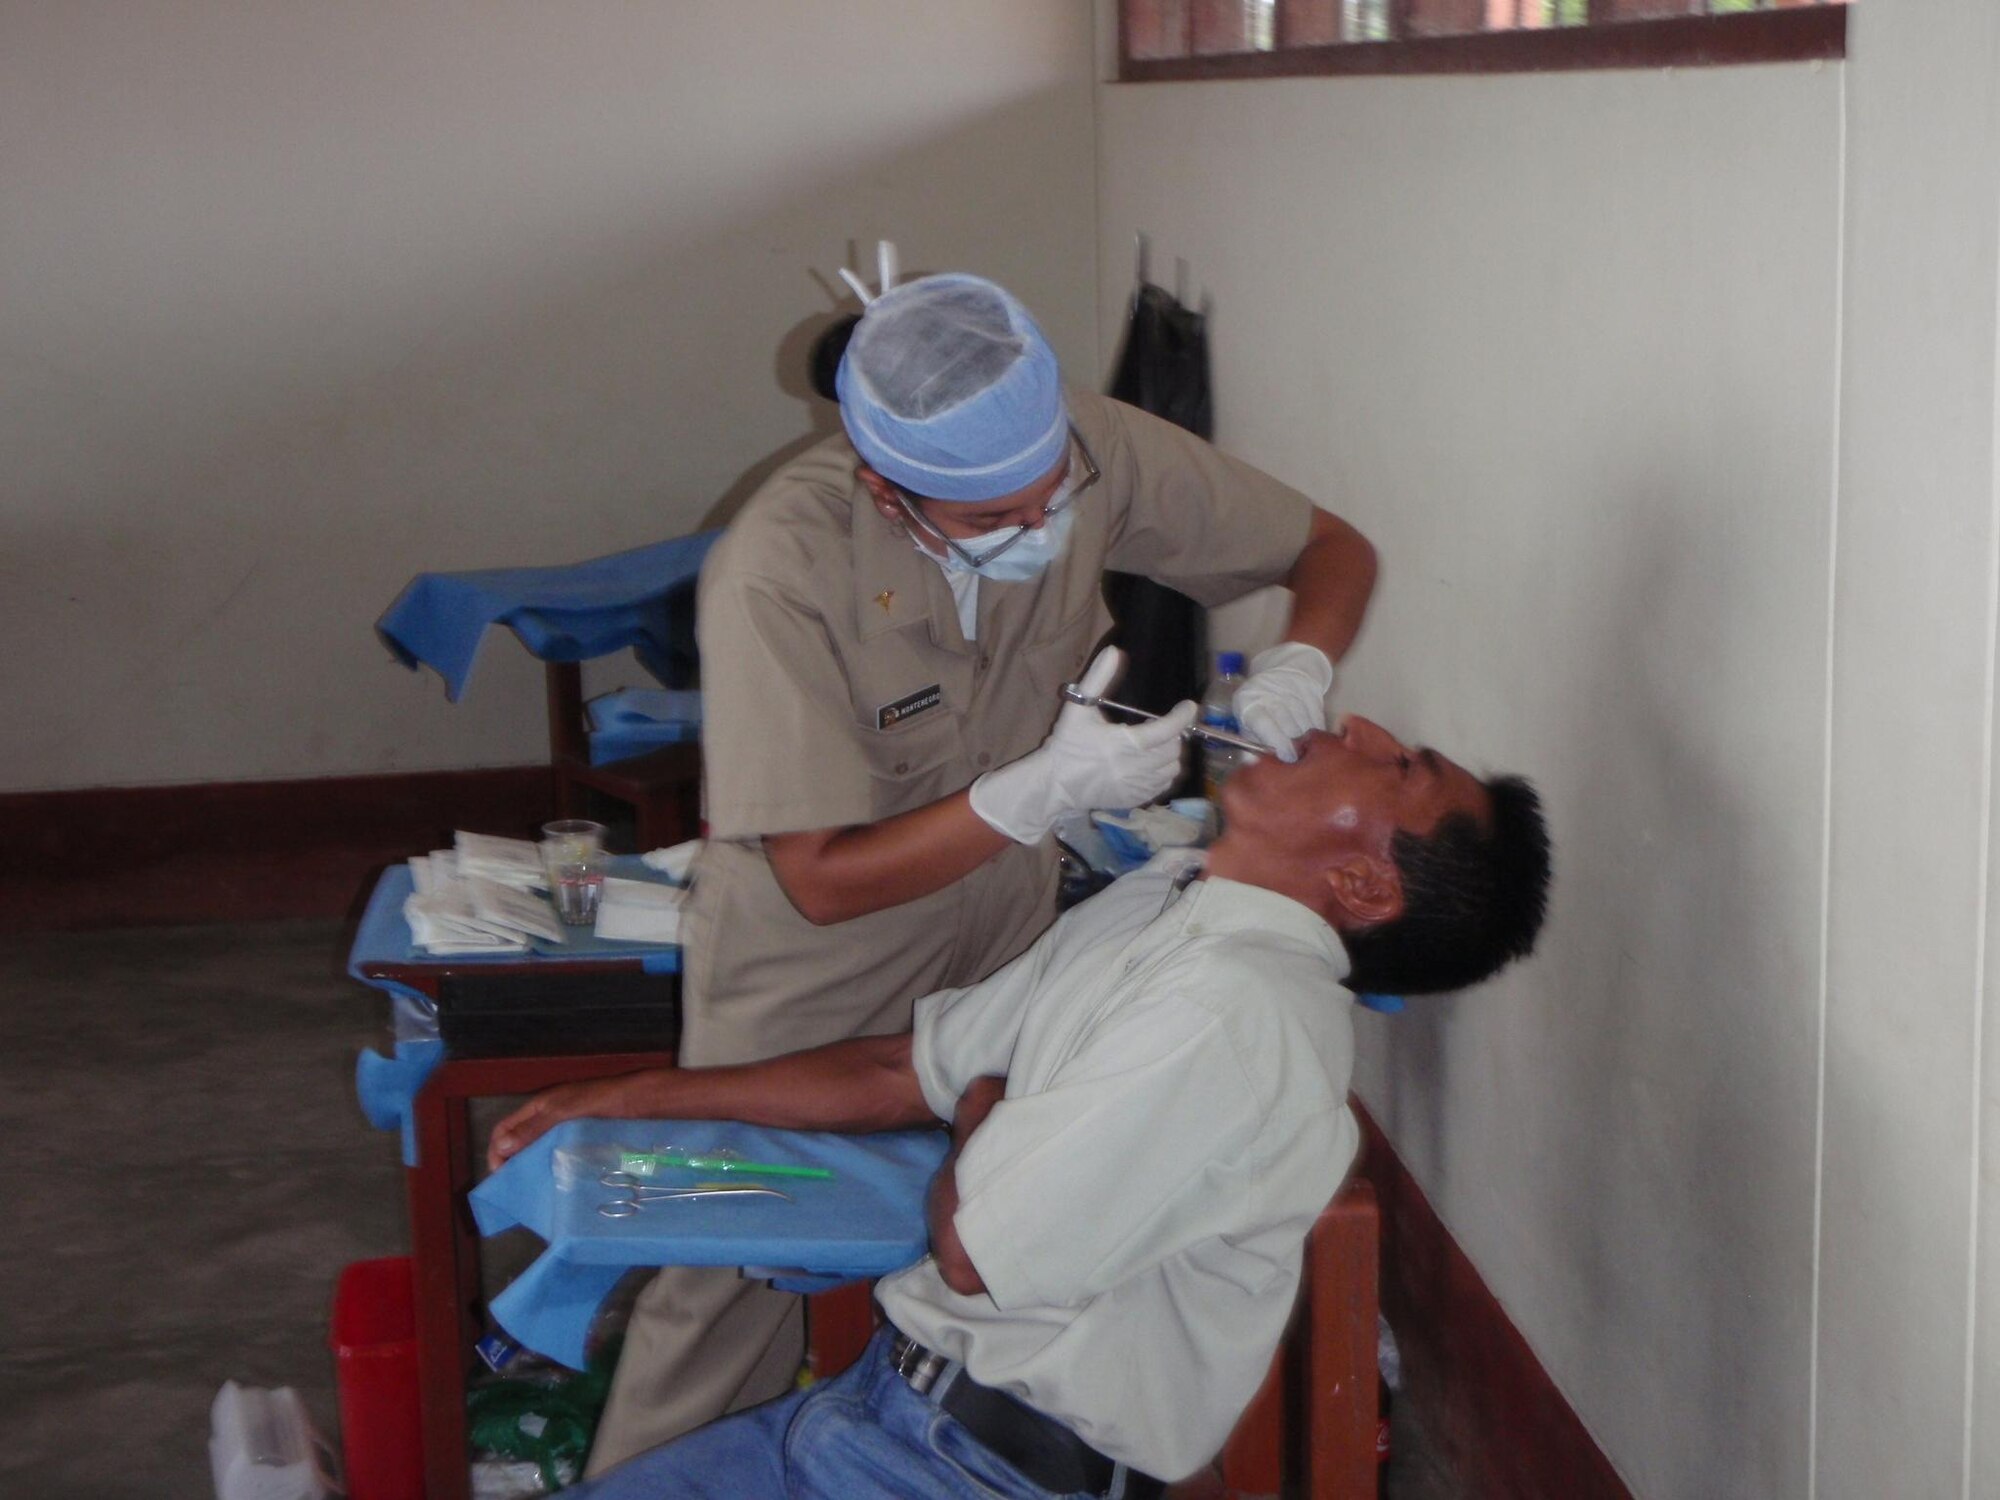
[(637, 1193), (1195, 731)]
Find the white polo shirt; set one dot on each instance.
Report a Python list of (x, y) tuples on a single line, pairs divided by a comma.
[(1175, 1120)]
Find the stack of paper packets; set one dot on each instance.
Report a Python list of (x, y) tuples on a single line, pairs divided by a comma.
[(640, 911), (484, 895), (514, 862), (479, 897)]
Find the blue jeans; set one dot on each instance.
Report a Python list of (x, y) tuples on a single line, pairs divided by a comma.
[(864, 1433)]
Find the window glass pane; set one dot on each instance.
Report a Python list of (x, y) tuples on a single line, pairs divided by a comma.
[(1652, 10), (1260, 24), (1181, 29), (1448, 17), (1364, 20), (1535, 15), (1221, 26), (1156, 28), (1310, 23)]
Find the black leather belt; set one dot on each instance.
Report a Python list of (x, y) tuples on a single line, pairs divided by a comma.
[(1042, 1448)]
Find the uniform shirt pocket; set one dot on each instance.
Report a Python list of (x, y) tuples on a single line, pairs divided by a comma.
[(914, 762)]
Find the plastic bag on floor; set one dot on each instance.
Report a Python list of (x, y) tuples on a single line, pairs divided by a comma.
[(262, 1446)]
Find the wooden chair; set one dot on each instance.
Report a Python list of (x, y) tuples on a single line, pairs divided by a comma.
[(1318, 1403), (839, 1325), (662, 787), (1326, 1366)]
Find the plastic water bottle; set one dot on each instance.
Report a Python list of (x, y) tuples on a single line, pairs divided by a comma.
[(1218, 711)]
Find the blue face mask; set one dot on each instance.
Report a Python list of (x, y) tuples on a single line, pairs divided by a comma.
[(1024, 559)]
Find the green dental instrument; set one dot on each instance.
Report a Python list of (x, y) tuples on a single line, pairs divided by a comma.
[(645, 1163)]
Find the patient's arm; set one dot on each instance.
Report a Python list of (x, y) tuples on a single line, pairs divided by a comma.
[(860, 1085), (954, 1265)]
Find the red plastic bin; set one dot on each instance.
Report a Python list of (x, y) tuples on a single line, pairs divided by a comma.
[(374, 1339)]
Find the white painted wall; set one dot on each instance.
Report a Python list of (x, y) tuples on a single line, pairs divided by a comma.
[(1571, 351), (298, 300), (1910, 1238), (1669, 398)]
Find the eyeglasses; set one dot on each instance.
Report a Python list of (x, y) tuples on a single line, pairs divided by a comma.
[(1066, 493)]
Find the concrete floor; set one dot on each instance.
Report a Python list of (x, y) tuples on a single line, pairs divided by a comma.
[(187, 1174)]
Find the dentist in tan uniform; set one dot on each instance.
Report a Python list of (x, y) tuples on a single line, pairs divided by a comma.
[(885, 631)]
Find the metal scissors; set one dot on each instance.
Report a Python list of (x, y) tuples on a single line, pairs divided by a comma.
[(636, 1193), (1195, 731)]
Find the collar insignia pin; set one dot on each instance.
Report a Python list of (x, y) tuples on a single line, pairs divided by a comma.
[(886, 598)]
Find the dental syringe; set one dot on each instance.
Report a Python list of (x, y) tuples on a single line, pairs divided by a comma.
[(1195, 731)]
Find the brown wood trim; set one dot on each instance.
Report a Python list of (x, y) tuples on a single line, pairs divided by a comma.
[(569, 735), (1799, 34), (1503, 1427), (239, 850)]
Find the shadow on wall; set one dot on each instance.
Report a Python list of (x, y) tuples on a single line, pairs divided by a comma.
[(790, 372), (220, 589), (1658, 1171), (1680, 1046)]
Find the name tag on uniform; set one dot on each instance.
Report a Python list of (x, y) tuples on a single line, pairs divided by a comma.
[(921, 701)]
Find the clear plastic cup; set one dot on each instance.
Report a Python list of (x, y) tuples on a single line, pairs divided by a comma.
[(574, 860)]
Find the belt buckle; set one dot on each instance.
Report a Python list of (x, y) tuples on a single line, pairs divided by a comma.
[(919, 1366)]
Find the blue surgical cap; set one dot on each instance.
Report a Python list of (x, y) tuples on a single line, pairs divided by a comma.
[(949, 389)]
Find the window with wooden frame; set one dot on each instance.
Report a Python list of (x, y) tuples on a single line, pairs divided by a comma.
[(1160, 40)]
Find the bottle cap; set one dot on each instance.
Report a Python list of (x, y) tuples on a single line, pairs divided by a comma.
[(1231, 663)]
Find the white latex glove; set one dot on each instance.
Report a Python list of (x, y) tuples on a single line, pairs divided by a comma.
[(1086, 762), (1284, 696)]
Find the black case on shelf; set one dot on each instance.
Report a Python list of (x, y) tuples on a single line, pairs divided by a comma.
[(529, 1015)]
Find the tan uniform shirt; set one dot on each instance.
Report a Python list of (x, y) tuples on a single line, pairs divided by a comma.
[(1175, 1119), (838, 689)]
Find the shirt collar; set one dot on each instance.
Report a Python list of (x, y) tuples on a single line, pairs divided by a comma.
[(896, 586), (1222, 907)]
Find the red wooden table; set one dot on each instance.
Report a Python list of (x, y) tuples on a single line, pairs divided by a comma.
[(444, 1244)]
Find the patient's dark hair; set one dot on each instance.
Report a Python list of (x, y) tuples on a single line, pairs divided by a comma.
[(1473, 900)]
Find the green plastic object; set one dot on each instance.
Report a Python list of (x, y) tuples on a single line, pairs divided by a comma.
[(546, 1422), (645, 1163)]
